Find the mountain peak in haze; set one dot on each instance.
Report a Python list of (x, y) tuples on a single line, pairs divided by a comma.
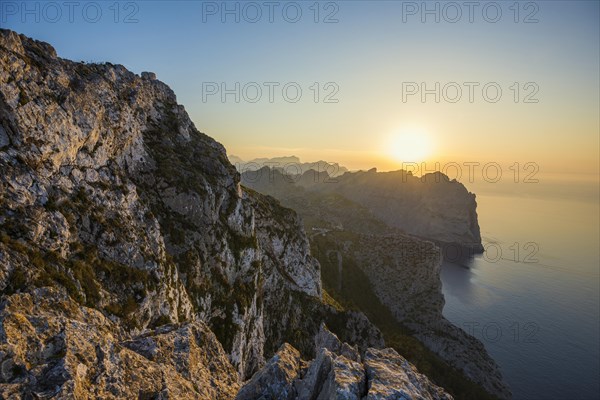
[(288, 164)]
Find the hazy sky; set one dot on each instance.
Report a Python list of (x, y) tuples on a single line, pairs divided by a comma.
[(369, 61)]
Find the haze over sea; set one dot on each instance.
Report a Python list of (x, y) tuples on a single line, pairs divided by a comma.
[(536, 309)]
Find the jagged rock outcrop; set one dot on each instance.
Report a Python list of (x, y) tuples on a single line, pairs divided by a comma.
[(340, 372), (51, 347), (276, 379), (336, 372), (390, 376), (109, 191), (332, 376)]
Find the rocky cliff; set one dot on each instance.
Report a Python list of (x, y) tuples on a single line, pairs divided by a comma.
[(132, 262), (431, 207), (404, 273)]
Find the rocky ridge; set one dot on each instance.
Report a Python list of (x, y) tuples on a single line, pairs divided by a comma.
[(289, 163), (110, 191), (431, 207)]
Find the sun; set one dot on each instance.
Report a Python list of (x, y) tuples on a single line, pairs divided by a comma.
[(410, 145)]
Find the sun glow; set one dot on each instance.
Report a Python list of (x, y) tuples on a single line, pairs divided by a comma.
[(410, 145)]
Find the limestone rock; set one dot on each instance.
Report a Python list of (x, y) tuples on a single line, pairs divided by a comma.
[(151, 76), (363, 220), (407, 281), (51, 347), (324, 339), (391, 377), (331, 375), (195, 353), (275, 380)]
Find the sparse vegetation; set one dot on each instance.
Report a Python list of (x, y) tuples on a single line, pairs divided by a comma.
[(238, 243), (123, 310), (82, 274), (160, 321), (17, 281), (331, 301), (23, 98)]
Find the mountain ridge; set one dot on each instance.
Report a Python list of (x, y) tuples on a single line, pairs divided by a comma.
[(432, 207), (287, 164)]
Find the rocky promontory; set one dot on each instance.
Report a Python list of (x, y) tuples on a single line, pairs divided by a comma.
[(432, 207)]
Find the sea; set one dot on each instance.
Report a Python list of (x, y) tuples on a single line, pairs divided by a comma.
[(533, 297)]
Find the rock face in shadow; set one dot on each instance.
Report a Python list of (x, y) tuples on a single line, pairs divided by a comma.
[(286, 163), (340, 372), (404, 273), (431, 207)]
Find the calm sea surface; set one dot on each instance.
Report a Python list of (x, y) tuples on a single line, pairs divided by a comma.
[(533, 297)]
